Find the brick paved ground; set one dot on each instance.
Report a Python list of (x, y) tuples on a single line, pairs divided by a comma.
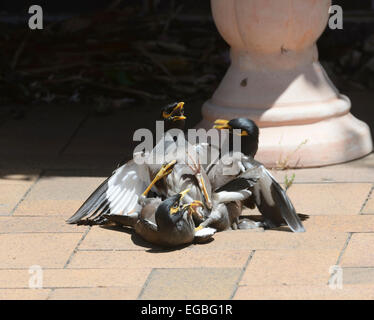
[(55, 157)]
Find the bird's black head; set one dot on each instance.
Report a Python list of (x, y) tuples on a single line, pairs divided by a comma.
[(170, 211), (246, 129), (173, 116)]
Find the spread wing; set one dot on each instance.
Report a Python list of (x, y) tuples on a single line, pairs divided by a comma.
[(269, 197), (118, 194), (273, 202)]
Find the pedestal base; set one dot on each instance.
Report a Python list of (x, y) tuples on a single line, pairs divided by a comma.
[(326, 142)]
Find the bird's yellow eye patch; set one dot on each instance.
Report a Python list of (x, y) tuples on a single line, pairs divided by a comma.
[(174, 209), (242, 133)]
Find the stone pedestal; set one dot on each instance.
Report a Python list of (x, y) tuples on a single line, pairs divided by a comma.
[(275, 79)]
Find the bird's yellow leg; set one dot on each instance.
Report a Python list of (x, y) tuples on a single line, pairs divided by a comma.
[(192, 208), (163, 172), (196, 168), (205, 193)]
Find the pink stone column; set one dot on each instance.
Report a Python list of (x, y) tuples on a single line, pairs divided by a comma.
[(275, 78)]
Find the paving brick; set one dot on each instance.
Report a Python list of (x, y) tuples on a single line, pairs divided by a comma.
[(113, 138), (10, 195), (334, 224), (55, 195), (43, 131), (360, 170), (101, 163), (359, 252), (191, 284), (358, 276), (128, 293), (16, 224), (48, 250), (24, 294), (53, 208), (12, 176), (290, 267), (77, 278), (54, 187), (184, 258), (329, 198), (115, 265), (273, 240), (113, 238), (104, 239), (369, 207), (349, 292)]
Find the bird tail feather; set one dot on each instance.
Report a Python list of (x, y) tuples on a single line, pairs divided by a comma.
[(95, 200), (274, 204), (286, 208)]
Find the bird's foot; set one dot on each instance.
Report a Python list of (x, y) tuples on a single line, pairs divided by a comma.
[(165, 170), (193, 209), (194, 165)]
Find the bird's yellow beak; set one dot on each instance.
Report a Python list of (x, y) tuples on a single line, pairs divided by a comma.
[(177, 109), (221, 124), (176, 118), (176, 207)]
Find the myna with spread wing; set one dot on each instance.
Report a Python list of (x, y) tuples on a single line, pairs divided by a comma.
[(121, 191), (125, 192), (269, 197)]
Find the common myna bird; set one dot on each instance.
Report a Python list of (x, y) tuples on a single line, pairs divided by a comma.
[(173, 176), (123, 193), (166, 223), (245, 172), (120, 192)]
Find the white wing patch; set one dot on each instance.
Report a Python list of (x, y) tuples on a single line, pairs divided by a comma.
[(205, 232), (125, 186)]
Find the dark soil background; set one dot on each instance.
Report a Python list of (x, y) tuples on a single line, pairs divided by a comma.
[(116, 54)]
